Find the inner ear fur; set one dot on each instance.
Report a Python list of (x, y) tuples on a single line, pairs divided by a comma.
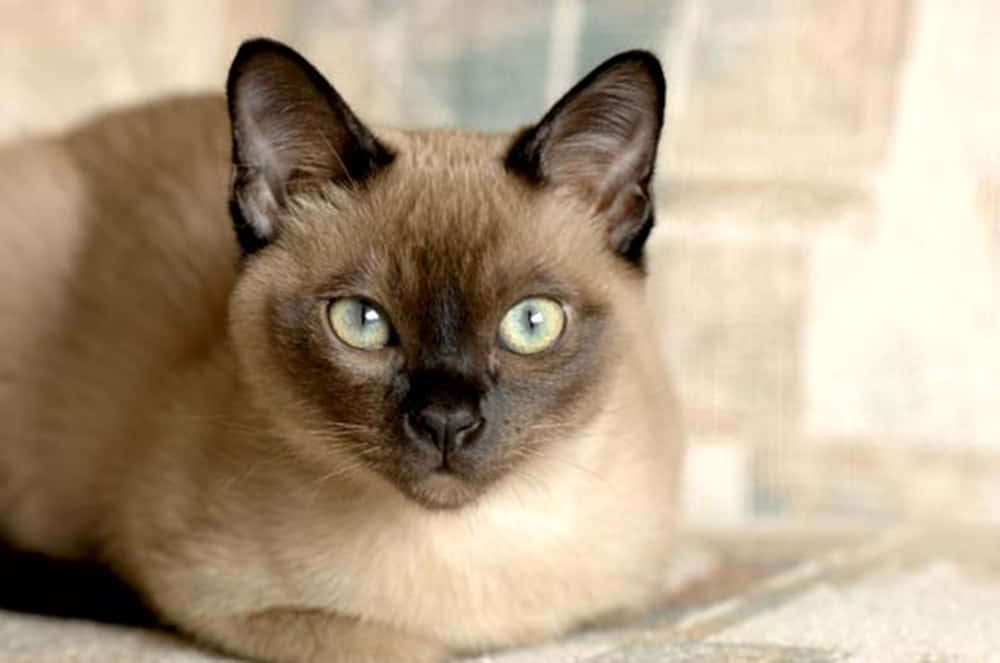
[(599, 141), (290, 128)]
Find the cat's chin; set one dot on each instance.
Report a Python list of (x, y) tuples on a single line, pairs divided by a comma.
[(442, 490)]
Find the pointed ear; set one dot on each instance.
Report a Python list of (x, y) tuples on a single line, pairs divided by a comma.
[(290, 130), (599, 141)]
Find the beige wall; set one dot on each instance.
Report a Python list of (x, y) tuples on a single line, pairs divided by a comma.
[(827, 259)]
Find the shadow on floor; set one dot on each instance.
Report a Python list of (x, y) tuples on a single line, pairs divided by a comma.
[(41, 585)]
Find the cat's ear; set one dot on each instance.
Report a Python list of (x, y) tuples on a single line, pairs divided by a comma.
[(290, 130), (600, 142)]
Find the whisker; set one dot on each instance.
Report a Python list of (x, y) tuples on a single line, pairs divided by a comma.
[(529, 452)]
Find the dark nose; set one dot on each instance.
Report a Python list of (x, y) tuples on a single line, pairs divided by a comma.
[(449, 427)]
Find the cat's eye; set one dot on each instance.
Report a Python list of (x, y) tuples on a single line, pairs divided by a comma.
[(360, 323), (532, 325)]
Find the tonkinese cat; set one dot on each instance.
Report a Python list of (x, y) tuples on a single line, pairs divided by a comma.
[(412, 408)]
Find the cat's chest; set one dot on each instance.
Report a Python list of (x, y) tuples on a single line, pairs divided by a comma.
[(527, 564)]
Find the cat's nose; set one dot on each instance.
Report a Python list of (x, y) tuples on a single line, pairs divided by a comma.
[(449, 427)]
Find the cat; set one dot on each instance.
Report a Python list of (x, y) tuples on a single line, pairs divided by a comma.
[(413, 407)]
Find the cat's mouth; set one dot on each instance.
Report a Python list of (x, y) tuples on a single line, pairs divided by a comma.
[(444, 481), (443, 489)]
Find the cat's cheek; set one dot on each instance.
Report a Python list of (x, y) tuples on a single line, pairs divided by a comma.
[(493, 364), (549, 397), (361, 369)]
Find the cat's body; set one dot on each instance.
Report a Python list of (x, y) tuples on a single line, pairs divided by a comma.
[(111, 237), (164, 412)]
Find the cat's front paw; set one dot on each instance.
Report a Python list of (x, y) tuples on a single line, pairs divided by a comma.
[(310, 636)]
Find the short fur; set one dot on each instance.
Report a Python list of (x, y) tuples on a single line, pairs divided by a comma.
[(175, 407)]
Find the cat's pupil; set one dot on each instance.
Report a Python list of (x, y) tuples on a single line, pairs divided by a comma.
[(533, 319)]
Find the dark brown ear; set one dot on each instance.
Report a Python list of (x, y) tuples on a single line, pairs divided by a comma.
[(600, 141), (290, 129)]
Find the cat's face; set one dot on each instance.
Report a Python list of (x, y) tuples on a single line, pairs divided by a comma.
[(434, 307)]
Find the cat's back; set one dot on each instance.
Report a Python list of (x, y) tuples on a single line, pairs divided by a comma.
[(129, 196), (116, 262)]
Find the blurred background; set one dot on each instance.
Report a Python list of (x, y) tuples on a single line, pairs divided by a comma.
[(828, 250)]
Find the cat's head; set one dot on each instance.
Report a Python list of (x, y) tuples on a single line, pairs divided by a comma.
[(435, 307)]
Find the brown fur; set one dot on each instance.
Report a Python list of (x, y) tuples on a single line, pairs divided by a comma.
[(190, 422)]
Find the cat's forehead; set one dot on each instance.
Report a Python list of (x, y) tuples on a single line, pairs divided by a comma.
[(446, 149), (452, 205), (445, 181), (448, 212)]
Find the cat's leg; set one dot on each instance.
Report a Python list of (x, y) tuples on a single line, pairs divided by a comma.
[(313, 636)]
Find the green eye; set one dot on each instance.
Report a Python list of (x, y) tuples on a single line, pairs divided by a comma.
[(532, 325), (360, 324)]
